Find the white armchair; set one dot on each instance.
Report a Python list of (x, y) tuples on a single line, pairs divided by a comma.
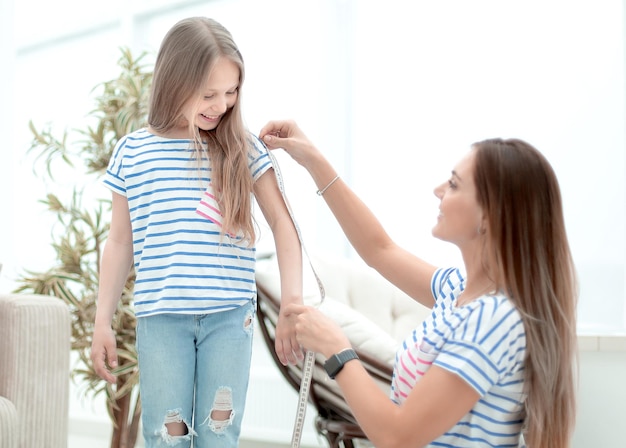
[(373, 313), (34, 371)]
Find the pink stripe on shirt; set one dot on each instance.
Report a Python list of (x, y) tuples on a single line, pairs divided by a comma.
[(209, 208)]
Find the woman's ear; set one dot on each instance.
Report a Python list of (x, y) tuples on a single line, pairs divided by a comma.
[(482, 227)]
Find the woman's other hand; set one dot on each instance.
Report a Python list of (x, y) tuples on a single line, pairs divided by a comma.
[(315, 331)]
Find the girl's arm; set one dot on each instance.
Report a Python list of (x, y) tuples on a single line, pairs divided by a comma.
[(289, 254), (117, 259), (437, 402), (366, 234)]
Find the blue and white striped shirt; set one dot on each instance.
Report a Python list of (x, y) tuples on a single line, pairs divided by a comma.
[(183, 265), (483, 342)]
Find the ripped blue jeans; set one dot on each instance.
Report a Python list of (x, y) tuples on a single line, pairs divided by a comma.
[(194, 372)]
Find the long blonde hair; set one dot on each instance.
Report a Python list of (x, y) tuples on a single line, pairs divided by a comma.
[(187, 55), (519, 193)]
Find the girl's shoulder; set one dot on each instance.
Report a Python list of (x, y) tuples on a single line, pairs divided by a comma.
[(256, 146), (135, 138), (140, 134)]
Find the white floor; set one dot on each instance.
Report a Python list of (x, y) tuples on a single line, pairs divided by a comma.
[(83, 441), (91, 434), (97, 434), (77, 441)]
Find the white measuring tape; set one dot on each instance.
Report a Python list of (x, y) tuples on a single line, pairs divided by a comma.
[(309, 359)]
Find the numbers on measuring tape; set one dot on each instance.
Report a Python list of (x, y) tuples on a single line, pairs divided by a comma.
[(305, 383)]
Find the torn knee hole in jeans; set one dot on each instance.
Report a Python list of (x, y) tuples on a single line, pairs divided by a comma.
[(175, 428), (222, 413)]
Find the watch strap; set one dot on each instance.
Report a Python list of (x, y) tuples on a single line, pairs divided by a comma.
[(335, 363)]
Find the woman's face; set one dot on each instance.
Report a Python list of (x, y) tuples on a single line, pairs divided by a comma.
[(460, 217), (218, 95)]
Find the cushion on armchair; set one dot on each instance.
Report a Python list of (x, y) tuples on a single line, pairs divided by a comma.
[(373, 313)]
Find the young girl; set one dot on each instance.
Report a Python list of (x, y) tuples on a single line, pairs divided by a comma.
[(495, 359), (182, 217)]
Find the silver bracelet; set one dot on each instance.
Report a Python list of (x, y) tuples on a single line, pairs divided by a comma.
[(321, 192)]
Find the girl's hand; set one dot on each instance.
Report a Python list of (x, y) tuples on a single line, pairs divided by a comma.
[(104, 352), (286, 345)]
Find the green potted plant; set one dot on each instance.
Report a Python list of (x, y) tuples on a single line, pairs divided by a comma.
[(78, 239)]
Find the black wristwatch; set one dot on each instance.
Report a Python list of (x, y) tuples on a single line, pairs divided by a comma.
[(335, 363)]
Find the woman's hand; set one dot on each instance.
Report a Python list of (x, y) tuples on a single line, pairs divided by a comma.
[(315, 331), (287, 135)]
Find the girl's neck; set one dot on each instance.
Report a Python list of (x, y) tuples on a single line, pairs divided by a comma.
[(177, 132)]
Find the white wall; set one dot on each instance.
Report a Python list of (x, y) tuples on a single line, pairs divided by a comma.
[(449, 73), (7, 55), (393, 91), (602, 392), (394, 95)]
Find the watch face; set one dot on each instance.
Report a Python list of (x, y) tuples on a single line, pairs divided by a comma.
[(331, 366), (335, 363)]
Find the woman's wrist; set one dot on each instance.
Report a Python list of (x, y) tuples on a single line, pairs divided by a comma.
[(335, 363), (339, 343), (322, 173), (321, 191)]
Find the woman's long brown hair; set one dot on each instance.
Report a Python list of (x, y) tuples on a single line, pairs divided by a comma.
[(520, 195)]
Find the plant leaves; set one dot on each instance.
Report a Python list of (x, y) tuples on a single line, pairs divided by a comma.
[(121, 106)]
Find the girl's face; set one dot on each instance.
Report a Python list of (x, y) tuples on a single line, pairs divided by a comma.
[(218, 95), (460, 217)]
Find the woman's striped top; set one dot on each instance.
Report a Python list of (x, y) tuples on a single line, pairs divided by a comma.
[(484, 343)]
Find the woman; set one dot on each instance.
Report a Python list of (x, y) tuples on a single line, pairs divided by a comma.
[(494, 363)]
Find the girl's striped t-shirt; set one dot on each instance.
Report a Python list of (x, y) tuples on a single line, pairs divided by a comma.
[(183, 263), (484, 343)]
